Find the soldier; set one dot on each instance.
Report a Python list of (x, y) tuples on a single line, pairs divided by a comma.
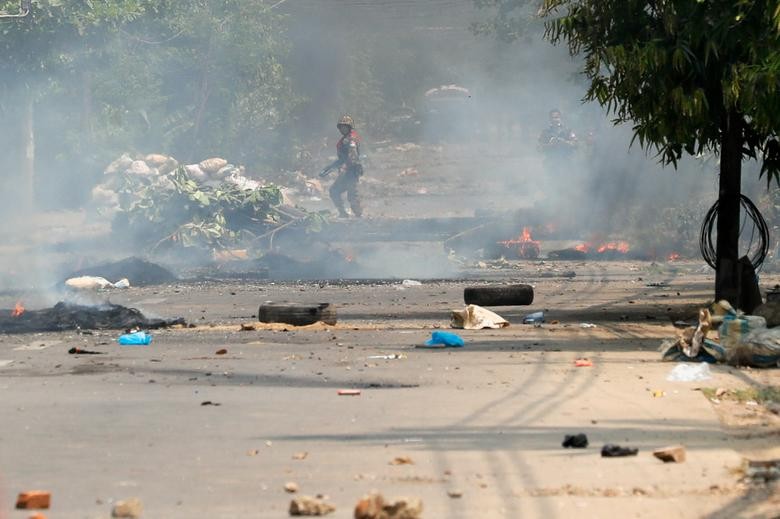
[(556, 139), (350, 169)]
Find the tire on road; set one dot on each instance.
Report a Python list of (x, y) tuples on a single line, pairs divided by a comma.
[(296, 314), (505, 295)]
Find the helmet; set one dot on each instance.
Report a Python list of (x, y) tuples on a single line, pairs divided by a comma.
[(346, 120)]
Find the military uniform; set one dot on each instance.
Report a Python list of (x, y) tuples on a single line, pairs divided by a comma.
[(350, 170)]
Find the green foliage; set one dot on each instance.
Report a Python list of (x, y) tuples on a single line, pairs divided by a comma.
[(679, 70), (174, 210)]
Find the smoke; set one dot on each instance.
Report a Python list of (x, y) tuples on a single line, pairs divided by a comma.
[(384, 62)]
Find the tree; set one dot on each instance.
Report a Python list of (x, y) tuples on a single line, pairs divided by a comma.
[(691, 76)]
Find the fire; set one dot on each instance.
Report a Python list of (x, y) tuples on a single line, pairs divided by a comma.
[(619, 246), (527, 247), (18, 309), (582, 247), (673, 257)]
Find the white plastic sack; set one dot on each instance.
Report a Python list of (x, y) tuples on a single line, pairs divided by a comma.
[(687, 372), (475, 317), (88, 283)]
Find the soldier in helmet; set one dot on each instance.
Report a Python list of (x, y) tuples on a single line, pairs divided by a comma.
[(350, 169)]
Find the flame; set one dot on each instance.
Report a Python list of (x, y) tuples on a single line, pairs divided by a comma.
[(583, 247), (18, 309), (673, 257), (619, 246), (528, 248)]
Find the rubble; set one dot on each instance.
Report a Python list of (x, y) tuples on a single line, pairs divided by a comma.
[(310, 506), (674, 453), (129, 508), (374, 506), (611, 450), (33, 499), (291, 487), (575, 441)]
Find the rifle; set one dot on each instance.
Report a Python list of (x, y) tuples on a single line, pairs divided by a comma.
[(329, 168)]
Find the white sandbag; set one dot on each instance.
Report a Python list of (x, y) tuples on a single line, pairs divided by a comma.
[(475, 317)]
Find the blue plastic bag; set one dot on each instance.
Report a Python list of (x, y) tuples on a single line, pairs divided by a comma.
[(445, 339), (135, 339)]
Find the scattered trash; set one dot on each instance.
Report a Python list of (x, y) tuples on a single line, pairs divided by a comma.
[(689, 373), (742, 339), (122, 283), (137, 271), (349, 392), (300, 455), (387, 357), (291, 487), (88, 283), (658, 393), (475, 317), (129, 508), (37, 515), (374, 506), (611, 450), (455, 494), (763, 470), (220, 352), (587, 325), (674, 453), (5, 362), (209, 402), (583, 363), (310, 506), (135, 339), (33, 499), (444, 339), (575, 441), (402, 460), (410, 283), (534, 318), (79, 351)]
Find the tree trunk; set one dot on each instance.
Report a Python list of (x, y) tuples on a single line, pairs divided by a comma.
[(727, 271), (27, 180)]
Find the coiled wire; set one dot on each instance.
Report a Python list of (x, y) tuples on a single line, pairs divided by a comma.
[(758, 254)]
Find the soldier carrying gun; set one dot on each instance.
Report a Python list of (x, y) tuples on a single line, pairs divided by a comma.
[(349, 168)]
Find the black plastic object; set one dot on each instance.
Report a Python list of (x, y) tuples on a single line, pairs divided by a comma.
[(611, 450), (575, 441), (507, 295), (297, 314)]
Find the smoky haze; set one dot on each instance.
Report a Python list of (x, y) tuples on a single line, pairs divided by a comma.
[(453, 153)]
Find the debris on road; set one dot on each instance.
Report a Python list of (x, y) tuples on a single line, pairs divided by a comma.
[(443, 340), (129, 508), (455, 494), (534, 318), (297, 314), (587, 325), (310, 506), (349, 392), (401, 460), (611, 450), (79, 351), (689, 373), (33, 499), (291, 487), (762, 470), (507, 295), (221, 351), (674, 453), (66, 316), (300, 455), (410, 283), (374, 506), (392, 356), (95, 283), (209, 402), (575, 441), (139, 272), (135, 339), (583, 363), (475, 317), (5, 362)]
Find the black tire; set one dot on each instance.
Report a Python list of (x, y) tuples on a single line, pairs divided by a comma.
[(508, 295), (296, 314)]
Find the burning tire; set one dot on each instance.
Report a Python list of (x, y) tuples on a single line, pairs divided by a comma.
[(510, 295), (296, 314)]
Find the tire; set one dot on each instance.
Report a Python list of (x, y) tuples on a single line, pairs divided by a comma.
[(296, 314), (508, 295)]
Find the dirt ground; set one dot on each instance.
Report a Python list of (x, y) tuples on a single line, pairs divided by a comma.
[(485, 421)]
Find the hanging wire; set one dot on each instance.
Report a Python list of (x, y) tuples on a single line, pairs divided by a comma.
[(757, 254)]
